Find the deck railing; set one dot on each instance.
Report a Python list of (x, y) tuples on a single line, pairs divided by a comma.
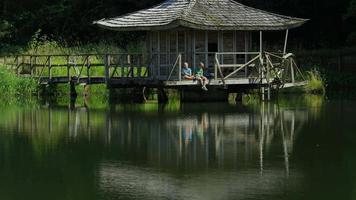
[(177, 65), (91, 68), (264, 67), (79, 66)]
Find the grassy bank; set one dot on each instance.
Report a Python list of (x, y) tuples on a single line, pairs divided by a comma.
[(12, 86)]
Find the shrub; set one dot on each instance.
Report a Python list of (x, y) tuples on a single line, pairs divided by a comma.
[(12, 86), (316, 84)]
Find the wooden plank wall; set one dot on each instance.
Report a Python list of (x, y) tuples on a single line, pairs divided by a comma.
[(195, 46)]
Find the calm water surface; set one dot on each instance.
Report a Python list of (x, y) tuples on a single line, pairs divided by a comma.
[(302, 148)]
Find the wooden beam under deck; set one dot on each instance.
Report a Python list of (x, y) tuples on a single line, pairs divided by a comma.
[(237, 81)]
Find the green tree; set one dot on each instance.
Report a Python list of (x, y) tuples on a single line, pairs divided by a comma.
[(351, 11)]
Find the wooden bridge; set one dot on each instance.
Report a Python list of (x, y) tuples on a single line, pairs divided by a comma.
[(258, 70)]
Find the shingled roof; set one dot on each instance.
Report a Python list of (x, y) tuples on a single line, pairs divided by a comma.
[(201, 14)]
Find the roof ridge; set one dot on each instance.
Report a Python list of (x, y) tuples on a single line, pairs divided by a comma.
[(187, 11), (206, 8)]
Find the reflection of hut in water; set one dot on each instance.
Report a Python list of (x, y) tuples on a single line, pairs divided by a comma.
[(197, 139)]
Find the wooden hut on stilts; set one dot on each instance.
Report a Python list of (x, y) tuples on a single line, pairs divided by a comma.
[(217, 33)]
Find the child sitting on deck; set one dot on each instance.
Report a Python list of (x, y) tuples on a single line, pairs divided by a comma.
[(199, 75), (187, 72)]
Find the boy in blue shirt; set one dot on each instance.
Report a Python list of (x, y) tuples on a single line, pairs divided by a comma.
[(187, 72)]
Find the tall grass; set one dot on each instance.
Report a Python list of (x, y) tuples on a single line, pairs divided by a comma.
[(316, 83), (12, 86), (40, 44)]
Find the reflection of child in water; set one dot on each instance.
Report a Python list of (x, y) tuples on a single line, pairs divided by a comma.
[(199, 130), (187, 134)]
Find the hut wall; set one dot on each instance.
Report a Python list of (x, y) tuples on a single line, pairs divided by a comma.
[(195, 46)]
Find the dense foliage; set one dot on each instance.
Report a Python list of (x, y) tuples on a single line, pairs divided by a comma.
[(13, 86), (70, 21)]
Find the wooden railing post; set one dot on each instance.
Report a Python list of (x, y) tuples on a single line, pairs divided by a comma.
[(292, 69), (122, 65), (216, 66), (88, 69), (139, 57), (268, 67), (107, 68), (50, 68), (68, 70), (180, 67), (131, 65)]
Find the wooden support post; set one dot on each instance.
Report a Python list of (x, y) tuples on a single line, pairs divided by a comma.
[(162, 95), (159, 55), (194, 50), (206, 48), (131, 59), (239, 97), (139, 57), (88, 69), (178, 54), (221, 46), (234, 47), (50, 68), (246, 50), (122, 65), (73, 91), (262, 87), (261, 66), (168, 49), (185, 46), (261, 43), (285, 42), (68, 69), (107, 68), (268, 68), (292, 69), (180, 67), (150, 50), (216, 66)]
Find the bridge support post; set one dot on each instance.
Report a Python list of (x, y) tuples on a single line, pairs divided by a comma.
[(73, 91), (269, 93), (238, 98), (162, 95)]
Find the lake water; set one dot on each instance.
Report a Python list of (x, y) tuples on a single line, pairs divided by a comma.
[(296, 148)]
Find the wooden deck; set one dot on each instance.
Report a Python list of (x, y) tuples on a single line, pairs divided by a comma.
[(263, 70), (149, 82)]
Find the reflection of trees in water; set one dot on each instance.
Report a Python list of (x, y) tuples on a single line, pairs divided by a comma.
[(199, 139)]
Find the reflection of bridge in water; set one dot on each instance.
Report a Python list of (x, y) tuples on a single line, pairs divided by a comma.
[(200, 139)]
